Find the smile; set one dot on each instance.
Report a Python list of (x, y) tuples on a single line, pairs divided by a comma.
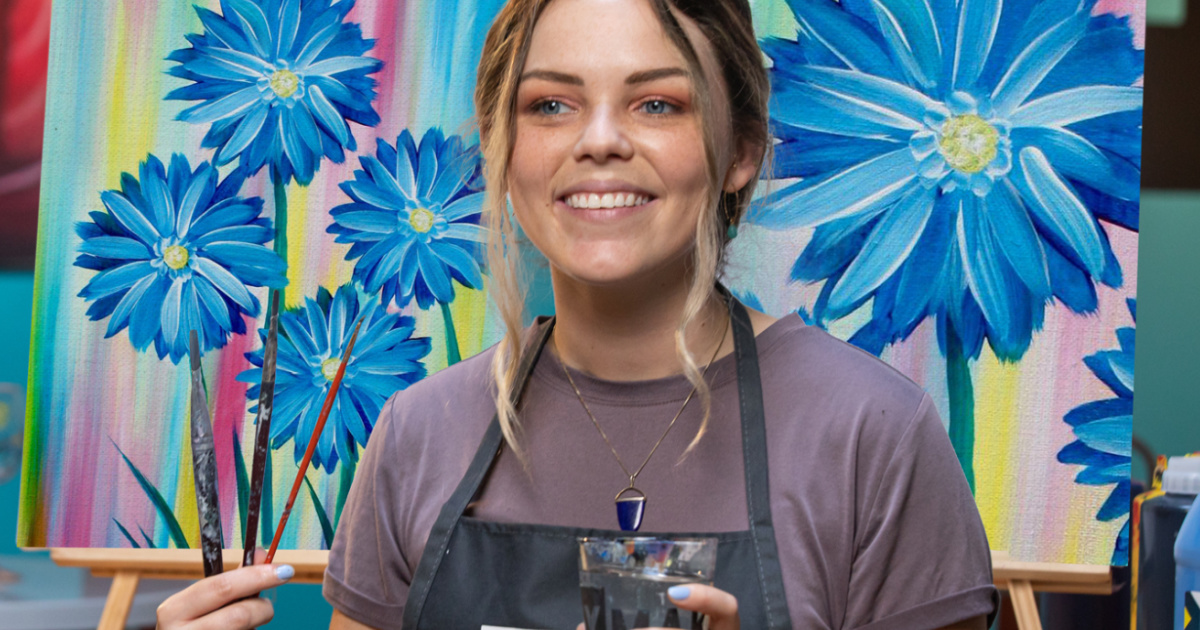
[(591, 201)]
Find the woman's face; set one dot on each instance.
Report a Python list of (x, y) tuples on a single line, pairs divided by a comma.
[(608, 172)]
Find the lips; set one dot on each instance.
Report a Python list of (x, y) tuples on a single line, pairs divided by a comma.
[(605, 195), (594, 201)]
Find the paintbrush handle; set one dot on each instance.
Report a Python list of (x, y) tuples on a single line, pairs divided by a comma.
[(266, 401), (312, 442), (204, 468)]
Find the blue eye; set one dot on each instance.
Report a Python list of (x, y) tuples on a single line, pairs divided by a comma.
[(657, 107), (550, 108)]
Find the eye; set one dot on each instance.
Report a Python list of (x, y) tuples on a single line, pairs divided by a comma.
[(658, 107), (550, 107)]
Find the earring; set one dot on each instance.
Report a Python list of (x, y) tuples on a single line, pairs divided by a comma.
[(732, 232)]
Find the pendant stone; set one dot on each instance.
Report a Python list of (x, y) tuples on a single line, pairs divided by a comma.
[(631, 507)]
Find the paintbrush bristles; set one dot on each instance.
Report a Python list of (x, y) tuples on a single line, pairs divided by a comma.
[(312, 442)]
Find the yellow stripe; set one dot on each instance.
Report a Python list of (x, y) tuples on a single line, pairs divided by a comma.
[(997, 392)]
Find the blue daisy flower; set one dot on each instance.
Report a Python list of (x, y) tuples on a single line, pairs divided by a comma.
[(414, 219), (176, 252), (279, 79), (312, 339), (1102, 429), (956, 160)]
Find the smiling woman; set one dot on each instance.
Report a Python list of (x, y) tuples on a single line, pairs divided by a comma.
[(627, 136)]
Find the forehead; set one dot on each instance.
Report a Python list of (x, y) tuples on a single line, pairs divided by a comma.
[(601, 37)]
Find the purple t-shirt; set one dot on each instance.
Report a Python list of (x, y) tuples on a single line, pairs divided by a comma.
[(874, 521)]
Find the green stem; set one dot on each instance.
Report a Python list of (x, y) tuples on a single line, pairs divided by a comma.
[(452, 354), (962, 404), (281, 215), (347, 477)]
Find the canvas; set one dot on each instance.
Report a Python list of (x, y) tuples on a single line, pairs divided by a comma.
[(954, 187)]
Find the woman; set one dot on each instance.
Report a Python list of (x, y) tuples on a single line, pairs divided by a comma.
[(628, 135)]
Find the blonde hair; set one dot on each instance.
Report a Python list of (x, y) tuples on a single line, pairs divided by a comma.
[(728, 27)]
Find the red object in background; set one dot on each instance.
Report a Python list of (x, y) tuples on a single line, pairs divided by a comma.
[(24, 48)]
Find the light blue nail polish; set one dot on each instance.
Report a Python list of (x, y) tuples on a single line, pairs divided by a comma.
[(284, 572), (679, 593)]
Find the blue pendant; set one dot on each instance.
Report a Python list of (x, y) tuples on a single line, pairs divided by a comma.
[(631, 507)]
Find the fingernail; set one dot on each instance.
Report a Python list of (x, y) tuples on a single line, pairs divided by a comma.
[(679, 593), (284, 572)]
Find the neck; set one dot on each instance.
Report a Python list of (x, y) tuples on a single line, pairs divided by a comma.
[(627, 332)]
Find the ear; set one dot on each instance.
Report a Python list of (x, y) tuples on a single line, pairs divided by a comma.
[(745, 162)]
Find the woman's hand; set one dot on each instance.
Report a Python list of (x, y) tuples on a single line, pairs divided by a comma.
[(721, 607), (226, 601)]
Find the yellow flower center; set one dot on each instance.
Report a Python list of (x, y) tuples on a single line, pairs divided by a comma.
[(176, 257), (285, 82), (968, 143), (329, 368), (421, 220)]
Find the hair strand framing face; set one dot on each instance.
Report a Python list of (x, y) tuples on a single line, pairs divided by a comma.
[(728, 27)]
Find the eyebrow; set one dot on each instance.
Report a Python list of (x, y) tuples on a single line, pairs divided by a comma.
[(644, 76)]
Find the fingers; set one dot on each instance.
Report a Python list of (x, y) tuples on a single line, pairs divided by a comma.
[(248, 613), (721, 607), (212, 593)]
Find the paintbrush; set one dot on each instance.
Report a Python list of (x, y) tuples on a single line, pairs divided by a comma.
[(266, 399), (312, 442), (204, 468)]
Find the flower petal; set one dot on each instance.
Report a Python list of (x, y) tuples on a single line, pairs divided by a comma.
[(895, 97), (254, 23), (228, 106), (892, 240), (845, 36), (121, 312), (368, 221), (1077, 104), (336, 65), (130, 217), (982, 260), (1022, 247), (866, 187), (1060, 210), (226, 283), (1110, 435), (460, 260), (115, 247), (198, 195), (911, 28), (434, 274), (816, 108), (1033, 63), (466, 232), (976, 32), (327, 115), (289, 25), (1076, 158), (463, 207), (427, 163), (169, 318), (117, 279)]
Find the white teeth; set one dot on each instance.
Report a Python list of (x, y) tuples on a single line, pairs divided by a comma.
[(594, 201)]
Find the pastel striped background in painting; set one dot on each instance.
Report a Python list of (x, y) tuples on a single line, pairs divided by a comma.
[(89, 395)]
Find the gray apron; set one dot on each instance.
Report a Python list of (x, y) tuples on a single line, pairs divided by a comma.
[(475, 573)]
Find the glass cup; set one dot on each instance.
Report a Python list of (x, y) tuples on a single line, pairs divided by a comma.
[(624, 581)]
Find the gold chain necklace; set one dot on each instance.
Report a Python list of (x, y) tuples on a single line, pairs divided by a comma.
[(631, 502)]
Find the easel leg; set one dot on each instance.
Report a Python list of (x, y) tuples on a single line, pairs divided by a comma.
[(120, 601), (1024, 605)]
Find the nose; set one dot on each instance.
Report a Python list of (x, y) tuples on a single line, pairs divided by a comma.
[(603, 138)]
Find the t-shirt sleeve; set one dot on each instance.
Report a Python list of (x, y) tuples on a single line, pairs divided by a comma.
[(921, 555), (368, 574)]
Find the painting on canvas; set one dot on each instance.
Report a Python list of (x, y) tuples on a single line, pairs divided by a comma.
[(954, 188)]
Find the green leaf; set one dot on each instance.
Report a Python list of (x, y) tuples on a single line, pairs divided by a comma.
[(347, 478), (126, 534), (159, 502), (243, 484), (326, 527), (149, 541)]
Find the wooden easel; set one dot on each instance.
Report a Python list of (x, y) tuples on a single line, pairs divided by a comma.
[(128, 566), (1022, 579)]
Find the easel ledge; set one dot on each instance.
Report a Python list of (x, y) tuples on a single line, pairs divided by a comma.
[(128, 566)]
